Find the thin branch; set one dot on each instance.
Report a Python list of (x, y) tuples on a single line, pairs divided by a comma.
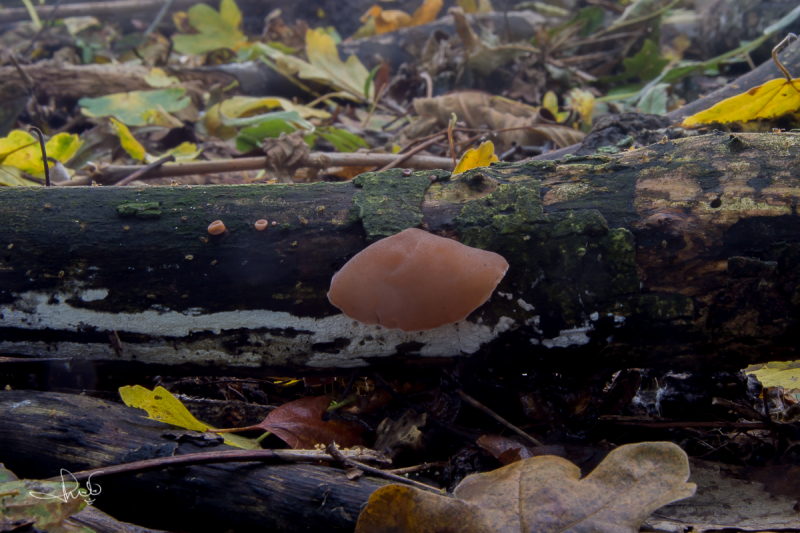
[(145, 170), (478, 405), (204, 458), (44, 155), (113, 173), (336, 454)]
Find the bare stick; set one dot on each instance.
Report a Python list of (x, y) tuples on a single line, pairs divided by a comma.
[(418, 468), (786, 40), (478, 405), (417, 149), (44, 155), (204, 458), (112, 173), (336, 454), (144, 170)]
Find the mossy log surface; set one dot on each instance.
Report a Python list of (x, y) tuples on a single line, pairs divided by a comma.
[(45, 432), (682, 255)]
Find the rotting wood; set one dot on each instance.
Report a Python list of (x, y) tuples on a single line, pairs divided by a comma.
[(678, 255), (45, 432)]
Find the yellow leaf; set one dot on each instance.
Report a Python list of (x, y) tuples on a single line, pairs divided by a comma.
[(773, 99), (28, 158), (350, 75), (215, 29), (16, 140), (550, 102), (476, 157), (473, 6), (391, 20), (128, 142), (159, 117), (784, 374), (583, 103), (427, 12), (184, 152), (158, 78), (164, 407)]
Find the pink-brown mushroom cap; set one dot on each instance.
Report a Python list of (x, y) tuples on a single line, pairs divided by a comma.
[(216, 227), (261, 224), (416, 281)]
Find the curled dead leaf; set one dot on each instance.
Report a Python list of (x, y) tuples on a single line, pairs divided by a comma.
[(286, 154), (542, 494), (300, 425)]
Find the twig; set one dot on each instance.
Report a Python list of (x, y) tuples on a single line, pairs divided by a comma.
[(417, 468), (44, 155), (157, 20), (417, 149), (744, 410), (336, 454), (786, 40), (46, 25), (428, 84), (478, 405), (769, 418), (644, 18), (204, 458), (349, 386), (647, 423), (97, 9), (112, 173), (144, 170)]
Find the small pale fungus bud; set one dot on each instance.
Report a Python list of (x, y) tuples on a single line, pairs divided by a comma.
[(216, 227)]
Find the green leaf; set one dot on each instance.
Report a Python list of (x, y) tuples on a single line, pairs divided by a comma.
[(591, 18), (654, 101), (129, 108), (215, 29), (250, 139), (646, 64), (12, 177), (342, 140), (286, 116)]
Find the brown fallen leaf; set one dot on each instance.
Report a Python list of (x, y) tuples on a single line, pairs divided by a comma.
[(300, 425), (479, 109), (541, 494)]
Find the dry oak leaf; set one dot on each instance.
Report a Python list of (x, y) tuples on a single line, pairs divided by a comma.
[(299, 424), (773, 99), (541, 494)]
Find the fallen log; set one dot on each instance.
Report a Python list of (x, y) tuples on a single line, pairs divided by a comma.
[(682, 254), (68, 83), (45, 432)]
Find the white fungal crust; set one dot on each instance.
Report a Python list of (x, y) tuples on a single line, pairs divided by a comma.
[(416, 281), (172, 336)]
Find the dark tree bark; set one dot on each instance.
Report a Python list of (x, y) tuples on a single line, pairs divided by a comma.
[(678, 255), (45, 432)]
